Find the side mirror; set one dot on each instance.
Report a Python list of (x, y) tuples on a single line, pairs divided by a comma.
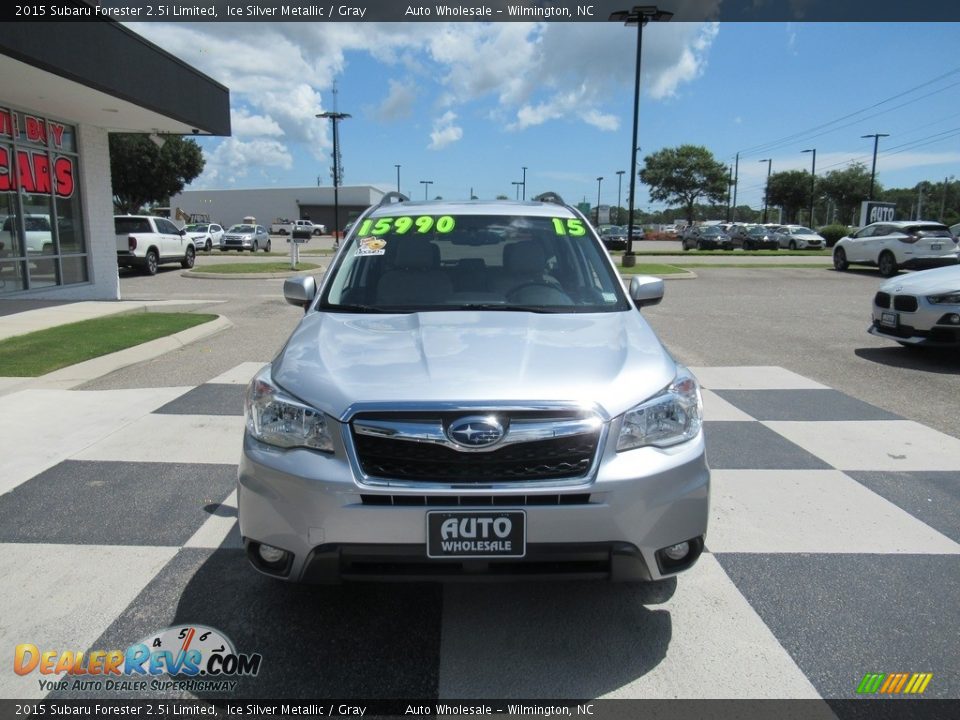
[(183, 233), (300, 291), (646, 290)]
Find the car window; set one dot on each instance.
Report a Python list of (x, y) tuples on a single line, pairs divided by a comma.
[(241, 229), (928, 230), (165, 226), (803, 231), (127, 225), (215, 228), (260, 230), (454, 262)]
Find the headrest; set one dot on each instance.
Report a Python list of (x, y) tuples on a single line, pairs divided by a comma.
[(415, 253), (525, 256)]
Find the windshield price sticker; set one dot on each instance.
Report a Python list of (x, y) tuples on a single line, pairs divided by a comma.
[(402, 225), (570, 226)]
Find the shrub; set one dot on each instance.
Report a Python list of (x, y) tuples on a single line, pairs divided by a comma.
[(832, 233)]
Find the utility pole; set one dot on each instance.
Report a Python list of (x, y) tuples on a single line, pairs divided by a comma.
[(873, 170), (736, 179)]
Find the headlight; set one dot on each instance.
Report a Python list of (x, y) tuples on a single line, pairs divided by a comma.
[(275, 418), (946, 299), (674, 416)]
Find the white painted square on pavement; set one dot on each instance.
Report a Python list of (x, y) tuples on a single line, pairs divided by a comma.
[(761, 377), (239, 375), (811, 511), (716, 408)]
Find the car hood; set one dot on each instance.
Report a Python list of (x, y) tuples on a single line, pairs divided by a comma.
[(925, 282), (335, 360)]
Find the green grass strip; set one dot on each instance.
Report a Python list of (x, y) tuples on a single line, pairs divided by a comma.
[(254, 267), (758, 266), (735, 253), (652, 269), (44, 351)]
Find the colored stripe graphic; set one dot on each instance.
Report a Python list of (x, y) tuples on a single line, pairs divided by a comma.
[(894, 683)]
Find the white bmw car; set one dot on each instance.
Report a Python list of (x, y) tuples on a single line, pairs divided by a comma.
[(921, 308)]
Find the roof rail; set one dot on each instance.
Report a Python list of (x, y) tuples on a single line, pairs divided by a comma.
[(393, 197), (550, 197)]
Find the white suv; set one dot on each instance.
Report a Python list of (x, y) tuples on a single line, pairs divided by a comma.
[(145, 241), (892, 246)]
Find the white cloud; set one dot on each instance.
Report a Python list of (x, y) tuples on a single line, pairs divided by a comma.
[(399, 101), (444, 131), (233, 159), (243, 124)]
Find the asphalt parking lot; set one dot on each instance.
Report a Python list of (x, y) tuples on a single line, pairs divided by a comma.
[(833, 549)]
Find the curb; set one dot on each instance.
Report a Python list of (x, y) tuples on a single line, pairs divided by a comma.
[(250, 276), (71, 376)]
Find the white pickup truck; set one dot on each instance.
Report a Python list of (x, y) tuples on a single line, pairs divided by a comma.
[(285, 227)]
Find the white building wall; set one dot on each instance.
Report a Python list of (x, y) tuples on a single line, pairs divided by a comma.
[(228, 207), (97, 195)]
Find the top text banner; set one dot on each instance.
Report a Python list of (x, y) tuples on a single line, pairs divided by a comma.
[(490, 11)]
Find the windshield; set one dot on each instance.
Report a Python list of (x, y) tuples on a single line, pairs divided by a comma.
[(713, 230), (803, 231), (433, 262), (196, 228), (241, 229)]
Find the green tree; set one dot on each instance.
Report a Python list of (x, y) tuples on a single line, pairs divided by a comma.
[(790, 190), (847, 188), (143, 172), (683, 175)]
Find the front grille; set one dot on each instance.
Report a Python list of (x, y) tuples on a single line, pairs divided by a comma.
[(905, 303), (474, 500), (555, 458), (882, 299)]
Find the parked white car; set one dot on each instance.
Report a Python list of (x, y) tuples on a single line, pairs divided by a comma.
[(798, 237), (921, 308), (286, 227), (892, 246), (36, 229), (145, 241), (205, 236)]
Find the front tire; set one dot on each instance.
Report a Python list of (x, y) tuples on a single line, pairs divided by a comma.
[(840, 263), (189, 258), (793, 245), (256, 246), (887, 264), (209, 246), (268, 247)]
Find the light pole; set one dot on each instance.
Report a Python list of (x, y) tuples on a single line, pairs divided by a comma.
[(517, 184), (873, 170), (736, 180), (639, 15), (398, 177), (334, 118), (813, 180), (619, 186), (766, 192), (599, 180), (524, 182), (426, 184)]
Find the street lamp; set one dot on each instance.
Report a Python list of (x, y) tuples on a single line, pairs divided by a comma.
[(426, 184), (639, 15), (599, 180), (334, 118), (813, 179), (766, 192), (398, 177), (873, 170), (524, 182), (619, 185)]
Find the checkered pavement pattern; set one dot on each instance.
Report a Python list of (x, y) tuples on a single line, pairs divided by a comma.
[(832, 552)]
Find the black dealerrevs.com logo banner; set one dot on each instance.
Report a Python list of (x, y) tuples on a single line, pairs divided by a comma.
[(852, 11)]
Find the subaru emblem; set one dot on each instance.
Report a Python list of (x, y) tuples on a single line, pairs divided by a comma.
[(475, 431)]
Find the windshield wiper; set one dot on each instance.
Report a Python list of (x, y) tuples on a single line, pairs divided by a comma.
[(508, 308), (355, 309)]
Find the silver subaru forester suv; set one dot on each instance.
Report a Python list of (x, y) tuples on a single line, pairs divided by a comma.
[(472, 394)]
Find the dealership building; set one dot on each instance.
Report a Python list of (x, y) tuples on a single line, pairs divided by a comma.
[(63, 88), (268, 205)]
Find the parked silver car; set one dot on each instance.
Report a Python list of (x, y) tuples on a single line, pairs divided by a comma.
[(245, 237), (922, 308), (798, 237), (471, 392)]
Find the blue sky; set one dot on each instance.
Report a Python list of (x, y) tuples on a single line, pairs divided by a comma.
[(466, 105)]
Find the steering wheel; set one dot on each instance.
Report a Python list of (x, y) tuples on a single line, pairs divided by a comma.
[(559, 296)]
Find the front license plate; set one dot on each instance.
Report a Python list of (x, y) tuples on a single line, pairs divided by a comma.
[(888, 319), (476, 534)]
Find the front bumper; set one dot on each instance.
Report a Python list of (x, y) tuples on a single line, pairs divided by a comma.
[(231, 244), (715, 244), (611, 527)]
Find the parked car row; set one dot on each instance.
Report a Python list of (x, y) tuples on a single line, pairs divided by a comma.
[(726, 236)]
